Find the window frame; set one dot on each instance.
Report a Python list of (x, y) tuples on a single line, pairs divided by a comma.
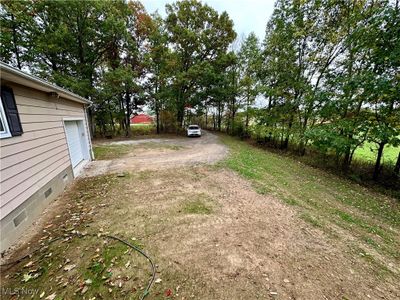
[(6, 133)]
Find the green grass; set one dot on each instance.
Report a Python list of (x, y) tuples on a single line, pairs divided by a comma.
[(199, 204), (311, 219), (110, 151), (105, 152), (142, 129), (369, 151), (322, 199)]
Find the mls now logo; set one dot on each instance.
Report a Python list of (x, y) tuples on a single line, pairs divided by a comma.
[(18, 291)]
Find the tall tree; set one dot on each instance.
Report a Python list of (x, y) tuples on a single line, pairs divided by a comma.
[(197, 35), (249, 58), (16, 26)]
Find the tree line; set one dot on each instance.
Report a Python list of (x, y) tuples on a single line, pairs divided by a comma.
[(324, 79)]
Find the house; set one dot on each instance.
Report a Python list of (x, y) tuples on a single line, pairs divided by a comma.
[(141, 119), (44, 144)]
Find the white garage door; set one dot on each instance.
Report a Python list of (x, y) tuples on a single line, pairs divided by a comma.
[(74, 142)]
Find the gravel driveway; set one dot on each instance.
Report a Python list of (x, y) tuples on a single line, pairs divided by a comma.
[(188, 151)]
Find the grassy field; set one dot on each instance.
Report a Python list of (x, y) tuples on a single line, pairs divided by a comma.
[(325, 201), (142, 129), (369, 151), (106, 152)]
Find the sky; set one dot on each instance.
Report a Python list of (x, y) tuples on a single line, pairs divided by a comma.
[(247, 15)]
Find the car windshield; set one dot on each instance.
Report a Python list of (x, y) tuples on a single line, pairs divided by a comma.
[(193, 127)]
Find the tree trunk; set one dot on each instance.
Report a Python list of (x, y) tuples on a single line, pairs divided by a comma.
[(397, 166), (111, 116), (233, 114), (247, 113), (157, 108), (219, 116), (285, 144), (16, 51), (214, 121), (180, 108), (128, 131), (303, 142), (206, 117), (377, 168), (346, 160), (158, 120)]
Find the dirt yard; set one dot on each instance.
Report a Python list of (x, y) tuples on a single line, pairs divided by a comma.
[(158, 154), (211, 234)]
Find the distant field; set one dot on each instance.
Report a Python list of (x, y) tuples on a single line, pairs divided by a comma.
[(369, 151), (142, 129)]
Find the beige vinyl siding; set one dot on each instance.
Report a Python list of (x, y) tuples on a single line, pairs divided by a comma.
[(31, 160)]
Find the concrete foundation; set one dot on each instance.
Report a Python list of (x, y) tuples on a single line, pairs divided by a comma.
[(14, 224)]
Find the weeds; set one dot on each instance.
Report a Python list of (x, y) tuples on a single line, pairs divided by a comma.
[(200, 204), (319, 195)]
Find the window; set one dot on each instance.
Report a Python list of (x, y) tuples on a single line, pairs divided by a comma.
[(10, 124), (4, 131)]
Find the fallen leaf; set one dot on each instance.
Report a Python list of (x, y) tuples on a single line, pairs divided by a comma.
[(84, 290), (29, 264), (27, 277), (42, 295), (51, 297), (158, 280), (68, 268), (168, 293), (127, 264), (88, 281)]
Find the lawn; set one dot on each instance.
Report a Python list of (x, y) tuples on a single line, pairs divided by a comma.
[(322, 199), (369, 151), (113, 151)]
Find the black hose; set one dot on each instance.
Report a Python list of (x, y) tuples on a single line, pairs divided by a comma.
[(153, 268)]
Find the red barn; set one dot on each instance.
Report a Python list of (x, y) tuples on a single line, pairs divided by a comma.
[(141, 119)]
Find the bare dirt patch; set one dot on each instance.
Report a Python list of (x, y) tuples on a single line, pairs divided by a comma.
[(158, 153)]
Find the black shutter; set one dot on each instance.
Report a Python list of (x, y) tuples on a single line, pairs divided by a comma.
[(11, 111)]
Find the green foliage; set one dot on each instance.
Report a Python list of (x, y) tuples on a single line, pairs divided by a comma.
[(368, 151), (328, 71), (199, 37), (328, 79)]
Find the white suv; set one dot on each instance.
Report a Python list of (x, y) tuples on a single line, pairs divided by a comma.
[(193, 130)]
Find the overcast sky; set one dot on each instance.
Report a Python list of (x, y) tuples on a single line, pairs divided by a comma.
[(247, 15)]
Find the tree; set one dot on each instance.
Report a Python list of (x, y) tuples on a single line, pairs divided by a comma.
[(158, 67), (197, 35), (249, 63), (17, 26)]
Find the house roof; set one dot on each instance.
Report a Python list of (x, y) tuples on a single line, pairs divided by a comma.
[(15, 75), (141, 118)]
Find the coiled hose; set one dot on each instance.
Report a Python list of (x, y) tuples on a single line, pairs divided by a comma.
[(80, 235)]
